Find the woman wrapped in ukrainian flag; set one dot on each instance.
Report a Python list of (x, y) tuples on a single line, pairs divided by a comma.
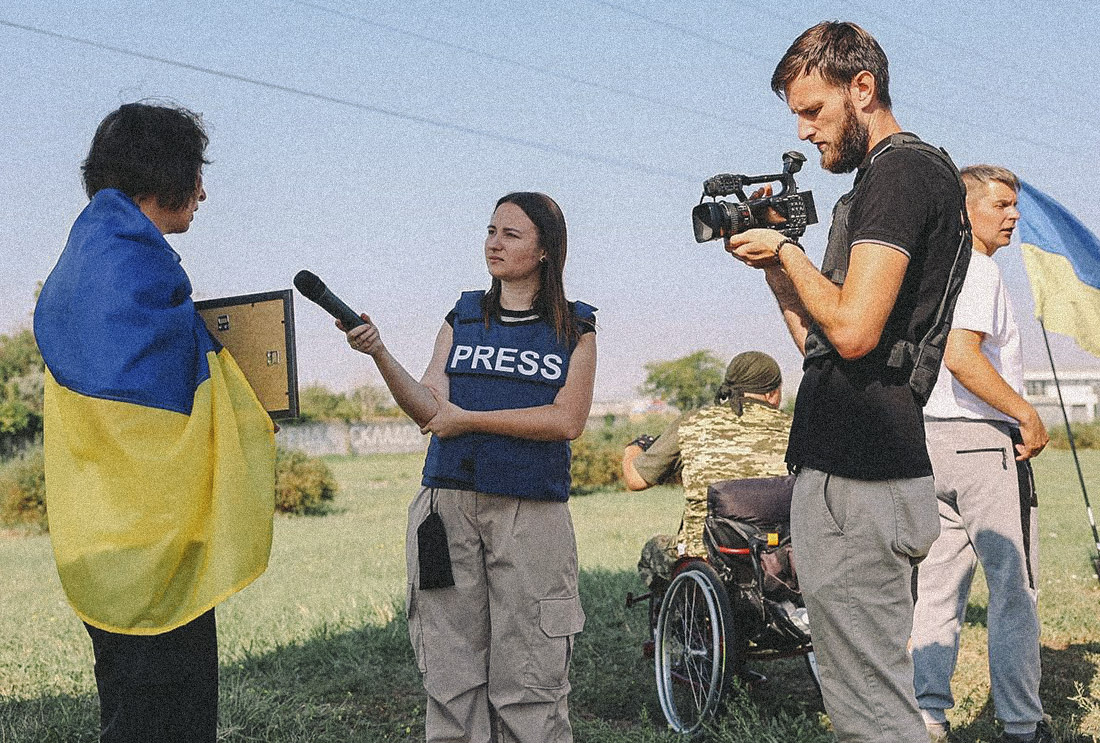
[(159, 457)]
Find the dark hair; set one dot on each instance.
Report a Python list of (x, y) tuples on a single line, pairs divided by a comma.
[(838, 51), (146, 149), (550, 302)]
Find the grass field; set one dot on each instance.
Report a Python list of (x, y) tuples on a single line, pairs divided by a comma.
[(316, 649)]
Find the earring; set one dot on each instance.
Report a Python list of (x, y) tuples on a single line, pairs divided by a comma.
[(542, 259)]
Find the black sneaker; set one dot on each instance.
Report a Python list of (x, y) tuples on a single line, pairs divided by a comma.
[(1042, 734)]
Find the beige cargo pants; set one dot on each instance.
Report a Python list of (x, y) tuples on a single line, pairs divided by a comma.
[(494, 649)]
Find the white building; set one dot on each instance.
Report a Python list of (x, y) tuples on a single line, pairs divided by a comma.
[(1080, 393)]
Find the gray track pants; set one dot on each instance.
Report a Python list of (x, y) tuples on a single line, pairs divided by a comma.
[(854, 544), (984, 516), (494, 649)]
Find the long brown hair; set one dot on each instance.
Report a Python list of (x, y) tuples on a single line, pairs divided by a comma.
[(550, 302)]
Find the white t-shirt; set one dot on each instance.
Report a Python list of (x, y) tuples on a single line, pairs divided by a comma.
[(983, 306)]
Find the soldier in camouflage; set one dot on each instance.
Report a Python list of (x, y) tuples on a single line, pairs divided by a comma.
[(743, 434)]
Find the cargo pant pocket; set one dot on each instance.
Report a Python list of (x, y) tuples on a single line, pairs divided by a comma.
[(917, 516), (416, 632), (552, 642)]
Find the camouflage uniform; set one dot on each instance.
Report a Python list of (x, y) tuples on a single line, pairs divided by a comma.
[(717, 444)]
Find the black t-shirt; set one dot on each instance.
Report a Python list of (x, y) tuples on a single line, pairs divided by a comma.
[(859, 418), (525, 317)]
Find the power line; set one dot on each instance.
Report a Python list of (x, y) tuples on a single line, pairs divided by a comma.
[(969, 51), (979, 127), (1084, 128), (691, 33), (714, 115), (591, 157)]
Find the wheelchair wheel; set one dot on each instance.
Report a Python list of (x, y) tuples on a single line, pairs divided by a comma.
[(695, 652)]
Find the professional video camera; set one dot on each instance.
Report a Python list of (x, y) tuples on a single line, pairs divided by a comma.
[(788, 211)]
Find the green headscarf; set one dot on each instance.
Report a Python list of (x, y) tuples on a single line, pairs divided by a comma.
[(754, 372)]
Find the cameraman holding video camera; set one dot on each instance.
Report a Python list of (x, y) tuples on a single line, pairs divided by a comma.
[(870, 324)]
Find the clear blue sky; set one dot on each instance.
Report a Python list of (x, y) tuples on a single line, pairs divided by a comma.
[(410, 119)]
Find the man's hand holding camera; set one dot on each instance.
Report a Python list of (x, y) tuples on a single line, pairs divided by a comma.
[(759, 247), (785, 217)]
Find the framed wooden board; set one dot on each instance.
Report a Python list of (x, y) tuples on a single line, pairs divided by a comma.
[(258, 330)]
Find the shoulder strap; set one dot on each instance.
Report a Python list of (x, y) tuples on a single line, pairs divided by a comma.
[(582, 310), (584, 317), (468, 306), (907, 141), (923, 358)]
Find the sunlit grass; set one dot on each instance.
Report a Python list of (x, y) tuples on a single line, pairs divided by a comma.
[(316, 649)]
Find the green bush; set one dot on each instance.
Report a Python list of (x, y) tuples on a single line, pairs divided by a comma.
[(596, 463), (365, 403), (1085, 436), (21, 380), (598, 452), (23, 491), (304, 485)]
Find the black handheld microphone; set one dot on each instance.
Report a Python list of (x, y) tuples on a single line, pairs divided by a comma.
[(315, 290)]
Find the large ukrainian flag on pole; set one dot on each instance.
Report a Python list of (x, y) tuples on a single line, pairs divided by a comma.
[(1062, 258), (159, 457)]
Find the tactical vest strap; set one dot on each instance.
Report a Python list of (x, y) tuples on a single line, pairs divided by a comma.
[(901, 354), (923, 359)]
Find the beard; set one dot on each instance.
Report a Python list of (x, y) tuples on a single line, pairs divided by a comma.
[(852, 147)]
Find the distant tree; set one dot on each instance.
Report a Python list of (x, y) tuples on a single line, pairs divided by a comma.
[(687, 383), (375, 402), (21, 384), (19, 354), (319, 403)]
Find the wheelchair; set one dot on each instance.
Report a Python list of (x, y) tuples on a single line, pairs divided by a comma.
[(739, 602)]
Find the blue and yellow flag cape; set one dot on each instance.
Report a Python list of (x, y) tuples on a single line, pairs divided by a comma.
[(159, 458), (1062, 258)]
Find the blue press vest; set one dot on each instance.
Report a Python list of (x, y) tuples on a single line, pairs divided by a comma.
[(497, 368)]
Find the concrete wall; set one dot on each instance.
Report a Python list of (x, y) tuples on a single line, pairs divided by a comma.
[(388, 437)]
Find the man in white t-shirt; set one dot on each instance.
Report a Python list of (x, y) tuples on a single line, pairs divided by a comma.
[(981, 435)]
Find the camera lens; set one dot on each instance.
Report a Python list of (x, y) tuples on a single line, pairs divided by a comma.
[(712, 220), (707, 220)]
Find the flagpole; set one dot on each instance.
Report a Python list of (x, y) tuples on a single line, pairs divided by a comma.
[(1073, 448)]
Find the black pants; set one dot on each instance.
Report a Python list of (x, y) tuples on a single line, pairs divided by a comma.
[(158, 688)]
